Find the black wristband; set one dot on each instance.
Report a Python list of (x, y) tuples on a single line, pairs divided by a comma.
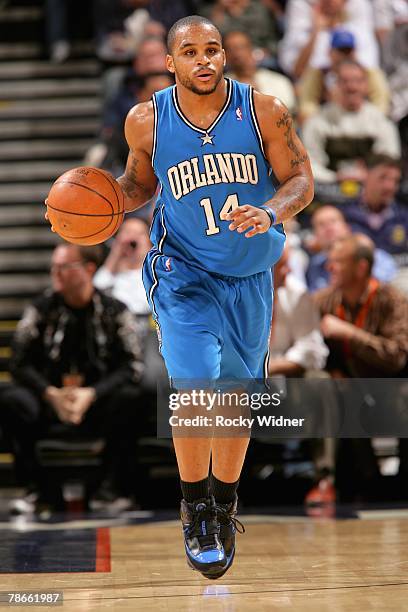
[(271, 214)]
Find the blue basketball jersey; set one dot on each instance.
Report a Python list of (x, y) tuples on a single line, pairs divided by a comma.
[(203, 175)]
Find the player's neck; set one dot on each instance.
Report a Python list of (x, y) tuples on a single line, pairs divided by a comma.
[(198, 108)]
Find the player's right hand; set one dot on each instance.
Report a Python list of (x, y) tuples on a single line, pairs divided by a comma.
[(244, 217)]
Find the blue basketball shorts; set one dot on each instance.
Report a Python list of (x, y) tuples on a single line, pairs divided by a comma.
[(210, 327)]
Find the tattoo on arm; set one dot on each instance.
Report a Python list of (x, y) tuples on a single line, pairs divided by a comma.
[(292, 197), (131, 185), (285, 121)]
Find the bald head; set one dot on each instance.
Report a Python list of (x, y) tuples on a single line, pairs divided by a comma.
[(363, 249)]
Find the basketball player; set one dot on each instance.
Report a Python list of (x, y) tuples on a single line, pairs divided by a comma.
[(231, 169)]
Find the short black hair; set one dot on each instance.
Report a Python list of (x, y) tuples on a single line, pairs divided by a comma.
[(186, 22)]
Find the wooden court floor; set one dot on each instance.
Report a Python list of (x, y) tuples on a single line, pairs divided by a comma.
[(295, 564)]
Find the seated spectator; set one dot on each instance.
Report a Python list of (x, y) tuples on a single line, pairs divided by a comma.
[(328, 225), (377, 213), (342, 136), (365, 325), (246, 16), (319, 85), (309, 24), (121, 273), (364, 322), (296, 344), (150, 59), (76, 364), (133, 92), (242, 65)]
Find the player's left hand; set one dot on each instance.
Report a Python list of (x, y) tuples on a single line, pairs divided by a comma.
[(244, 217)]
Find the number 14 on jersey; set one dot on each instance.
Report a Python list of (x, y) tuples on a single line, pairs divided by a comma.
[(230, 203)]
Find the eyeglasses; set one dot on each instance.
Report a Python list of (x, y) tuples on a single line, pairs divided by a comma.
[(66, 266)]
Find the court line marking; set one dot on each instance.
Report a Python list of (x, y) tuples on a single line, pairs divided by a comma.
[(103, 550), (258, 593), (79, 524), (382, 514)]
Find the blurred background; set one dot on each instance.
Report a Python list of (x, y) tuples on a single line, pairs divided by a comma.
[(69, 73)]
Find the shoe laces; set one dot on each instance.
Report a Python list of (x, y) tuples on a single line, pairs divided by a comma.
[(232, 519), (203, 514)]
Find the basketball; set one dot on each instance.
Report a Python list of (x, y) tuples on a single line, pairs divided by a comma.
[(85, 206)]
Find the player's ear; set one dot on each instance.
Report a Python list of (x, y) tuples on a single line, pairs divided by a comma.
[(170, 63), (224, 56)]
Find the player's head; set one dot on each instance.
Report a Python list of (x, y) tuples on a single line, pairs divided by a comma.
[(73, 268), (195, 54)]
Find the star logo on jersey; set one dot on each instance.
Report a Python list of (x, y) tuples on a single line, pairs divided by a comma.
[(238, 113), (207, 139)]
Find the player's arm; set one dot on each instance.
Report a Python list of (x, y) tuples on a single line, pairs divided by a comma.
[(287, 157), (139, 182), (291, 166)]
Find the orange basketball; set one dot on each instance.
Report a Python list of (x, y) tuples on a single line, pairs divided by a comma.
[(85, 206)]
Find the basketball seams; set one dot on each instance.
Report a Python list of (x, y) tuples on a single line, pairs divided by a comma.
[(68, 237), (69, 212), (89, 189), (113, 183), (112, 215), (111, 220)]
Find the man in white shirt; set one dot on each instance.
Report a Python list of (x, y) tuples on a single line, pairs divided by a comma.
[(308, 29), (121, 274), (344, 134)]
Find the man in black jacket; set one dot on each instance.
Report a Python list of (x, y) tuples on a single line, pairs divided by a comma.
[(76, 364)]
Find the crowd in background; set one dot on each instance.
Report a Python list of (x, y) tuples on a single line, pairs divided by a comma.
[(341, 288)]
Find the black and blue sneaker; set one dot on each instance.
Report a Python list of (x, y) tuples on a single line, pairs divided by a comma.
[(204, 550), (229, 525)]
